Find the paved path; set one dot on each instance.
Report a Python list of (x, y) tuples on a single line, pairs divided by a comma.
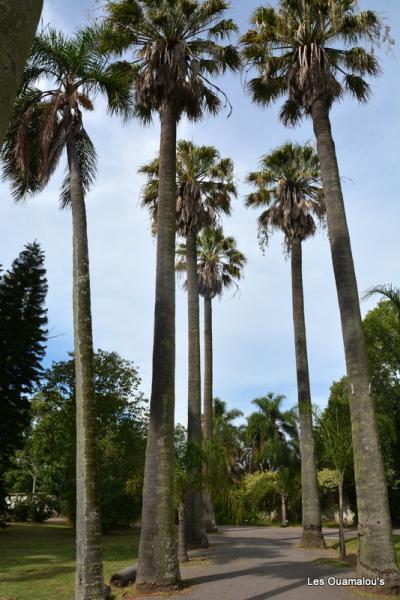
[(260, 563)]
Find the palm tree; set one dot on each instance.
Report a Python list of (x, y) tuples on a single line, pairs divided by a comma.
[(177, 51), (226, 434), (219, 264), (289, 186), (18, 23), (204, 189), (389, 292), (268, 428), (312, 52), (46, 123)]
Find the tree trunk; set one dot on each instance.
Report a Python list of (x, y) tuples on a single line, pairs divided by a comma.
[(209, 512), (208, 371), (312, 530), (195, 532), (284, 514), (89, 569), (18, 22), (182, 549), (158, 567), (342, 544), (376, 555), (34, 482)]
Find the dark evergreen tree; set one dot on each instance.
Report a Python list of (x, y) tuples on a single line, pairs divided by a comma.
[(23, 335)]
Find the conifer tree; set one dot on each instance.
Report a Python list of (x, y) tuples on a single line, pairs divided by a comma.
[(23, 335)]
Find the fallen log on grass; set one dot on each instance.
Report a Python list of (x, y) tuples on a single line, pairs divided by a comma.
[(123, 578)]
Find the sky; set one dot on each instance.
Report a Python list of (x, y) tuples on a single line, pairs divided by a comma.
[(253, 329)]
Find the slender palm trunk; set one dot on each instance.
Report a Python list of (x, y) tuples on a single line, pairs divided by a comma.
[(18, 22), (195, 533), (342, 544), (158, 567), (283, 509), (208, 370), (89, 569), (209, 512), (34, 481), (312, 530), (376, 555), (182, 548)]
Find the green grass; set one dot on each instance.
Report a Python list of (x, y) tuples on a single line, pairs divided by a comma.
[(37, 562)]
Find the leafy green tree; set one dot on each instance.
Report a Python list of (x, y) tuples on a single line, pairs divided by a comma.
[(334, 430), (47, 123), (177, 52), (121, 430), (382, 334), (205, 187), (18, 22), (219, 265), (23, 335), (311, 53), (288, 186)]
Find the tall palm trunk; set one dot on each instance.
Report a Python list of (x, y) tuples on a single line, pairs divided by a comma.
[(312, 530), (209, 512), (195, 534), (342, 544), (182, 547), (158, 566), (208, 370), (376, 555), (18, 22), (89, 569), (283, 509)]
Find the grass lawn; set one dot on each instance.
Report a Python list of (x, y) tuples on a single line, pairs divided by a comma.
[(37, 562)]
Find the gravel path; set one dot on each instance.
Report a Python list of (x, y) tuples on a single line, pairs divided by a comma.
[(259, 563)]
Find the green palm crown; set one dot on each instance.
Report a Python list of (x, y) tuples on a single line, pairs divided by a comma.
[(205, 187), (62, 79), (289, 185), (176, 51), (309, 49), (219, 262)]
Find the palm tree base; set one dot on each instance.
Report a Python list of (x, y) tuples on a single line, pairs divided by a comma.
[(198, 544), (154, 588), (312, 538), (391, 578)]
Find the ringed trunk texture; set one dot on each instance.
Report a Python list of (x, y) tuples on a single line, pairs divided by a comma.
[(312, 529), (195, 532), (182, 548), (18, 22), (89, 566), (158, 567), (209, 512), (376, 554), (342, 544), (208, 371)]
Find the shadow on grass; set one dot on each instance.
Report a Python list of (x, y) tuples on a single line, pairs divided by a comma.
[(37, 575)]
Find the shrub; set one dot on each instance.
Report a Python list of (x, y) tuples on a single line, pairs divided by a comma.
[(32, 508)]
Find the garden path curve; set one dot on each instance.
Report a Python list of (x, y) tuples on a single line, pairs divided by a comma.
[(258, 563)]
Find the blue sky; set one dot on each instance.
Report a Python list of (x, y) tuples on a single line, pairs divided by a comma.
[(253, 330)]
